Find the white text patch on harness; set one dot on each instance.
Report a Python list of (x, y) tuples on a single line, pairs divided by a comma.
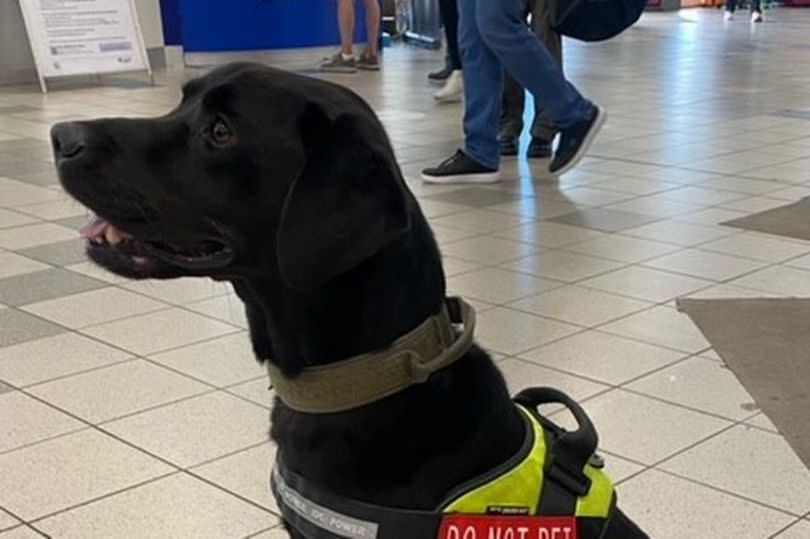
[(507, 527)]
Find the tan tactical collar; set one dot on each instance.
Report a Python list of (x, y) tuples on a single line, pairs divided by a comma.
[(360, 380)]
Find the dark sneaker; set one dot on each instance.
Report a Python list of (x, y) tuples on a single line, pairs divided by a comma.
[(339, 64), (440, 76), (575, 141), (460, 168), (367, 62), (539, 149), (508, 145)]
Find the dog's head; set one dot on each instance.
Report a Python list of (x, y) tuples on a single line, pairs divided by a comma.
[(255, 170)]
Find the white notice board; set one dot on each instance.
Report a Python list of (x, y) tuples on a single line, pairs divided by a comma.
[(84, 37)]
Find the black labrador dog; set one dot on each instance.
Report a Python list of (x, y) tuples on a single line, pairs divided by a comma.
[(288, 187)]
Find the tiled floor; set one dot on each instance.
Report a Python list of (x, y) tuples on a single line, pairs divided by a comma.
[(135, 409)]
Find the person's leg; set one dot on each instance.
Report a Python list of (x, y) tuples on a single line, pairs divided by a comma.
[(505, 33), (453, 88), (373, 21), (448, 10), (346, 26), (343, 61), (511, 125), (543, 128), (483, 87), (756, 11)]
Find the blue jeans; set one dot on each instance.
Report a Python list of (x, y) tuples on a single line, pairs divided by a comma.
[(493, 36)]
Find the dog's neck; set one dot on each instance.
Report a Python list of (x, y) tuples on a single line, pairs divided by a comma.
[(362, 311), (389, 451)]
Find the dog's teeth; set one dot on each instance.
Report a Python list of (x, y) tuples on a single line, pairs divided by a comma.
[(112, 235)]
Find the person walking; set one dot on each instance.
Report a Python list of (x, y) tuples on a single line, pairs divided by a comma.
[(543, 130), (344, 61), (756, 10), (493, 35), (453, 88)]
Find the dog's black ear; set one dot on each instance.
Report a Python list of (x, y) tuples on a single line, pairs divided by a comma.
[(346, 205)]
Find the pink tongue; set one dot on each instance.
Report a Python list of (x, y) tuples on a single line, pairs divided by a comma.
[(94, 229)]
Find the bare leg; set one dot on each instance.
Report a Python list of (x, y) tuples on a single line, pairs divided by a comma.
[(346, 25), (373, 16)]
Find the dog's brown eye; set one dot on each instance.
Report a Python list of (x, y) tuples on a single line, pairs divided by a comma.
[(220, 133)]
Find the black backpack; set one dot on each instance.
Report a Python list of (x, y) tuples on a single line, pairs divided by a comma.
[(593, 20)]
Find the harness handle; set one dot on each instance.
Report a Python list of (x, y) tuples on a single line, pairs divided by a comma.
[(570, 451)]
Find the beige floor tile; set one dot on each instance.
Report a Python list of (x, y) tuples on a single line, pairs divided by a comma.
[(510, 332), (647, 430), (246, 473), (118, 390), (498, 286), (24, 421), (21, 532), (691, 194), (729, 291), (754, 204), (593, 196), (680, 233), (7, 521), (276, 533), (521, 375), (699, 383), (661, 326), (456, 266), (55, 209), (710, 216), (619, 469), (257, 391), (179, 291), (12, 264), (783, 483), (757, 247), (10, 219), (550, 235), (14, 193), (803, 262), (623, 249), (196, 430), (562, 265), (488, 250), (178, 507), (655, 206), (646, 284), (603, 357), (96, 272), (228, 308), (800, 530), (159, 331), (761, 421), (778, 280), (34, 235), (537, 208), (705, 265), (66, 471), (579, 305), (94, 307), (474, 222), (53, 357), (667, 507), (223, 361)]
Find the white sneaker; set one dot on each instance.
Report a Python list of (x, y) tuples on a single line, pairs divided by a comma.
[(728, 16), (453, 89), (756, 16)]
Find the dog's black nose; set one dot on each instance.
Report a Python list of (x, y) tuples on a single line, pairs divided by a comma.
[(68, 139)]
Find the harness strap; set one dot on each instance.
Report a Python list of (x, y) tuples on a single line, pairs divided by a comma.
[(321, 515)]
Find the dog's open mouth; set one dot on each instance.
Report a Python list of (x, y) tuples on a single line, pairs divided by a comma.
[(196, 254)]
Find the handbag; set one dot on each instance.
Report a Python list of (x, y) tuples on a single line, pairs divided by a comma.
[(593, 20)]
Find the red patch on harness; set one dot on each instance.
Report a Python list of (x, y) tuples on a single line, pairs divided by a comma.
[(507, 527)]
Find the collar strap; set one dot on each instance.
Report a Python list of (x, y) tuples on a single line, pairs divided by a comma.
[(337, 387)]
